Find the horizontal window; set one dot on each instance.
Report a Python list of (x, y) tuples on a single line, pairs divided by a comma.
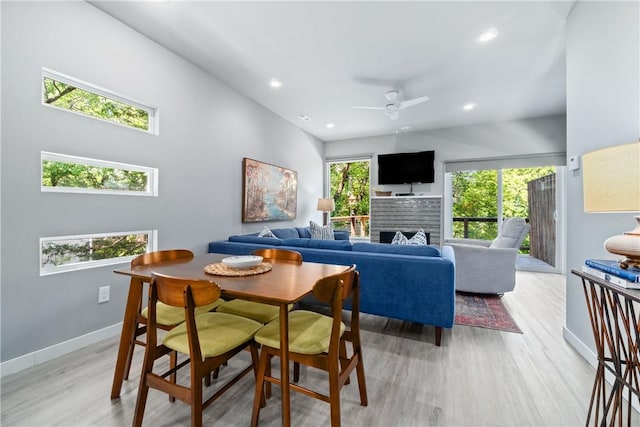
[(73, 95), (64, 173), (69, 253)]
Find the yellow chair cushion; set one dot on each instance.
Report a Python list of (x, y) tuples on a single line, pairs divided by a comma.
[(168, 315), (263, 313), (217, 333), (309, 332)]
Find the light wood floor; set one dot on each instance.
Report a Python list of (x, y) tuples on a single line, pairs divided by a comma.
[(479, 377)]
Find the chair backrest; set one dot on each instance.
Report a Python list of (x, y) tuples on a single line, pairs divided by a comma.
[(335, 289), (512, 234), (161, 256), (279, 254), (179, 292)]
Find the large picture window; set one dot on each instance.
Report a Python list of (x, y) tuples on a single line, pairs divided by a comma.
[(73, 95), (69, 253), (64, 173)]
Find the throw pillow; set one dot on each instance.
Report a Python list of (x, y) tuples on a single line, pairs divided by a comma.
[(321, 232), (418, 239), (267, 233), (399, 239)]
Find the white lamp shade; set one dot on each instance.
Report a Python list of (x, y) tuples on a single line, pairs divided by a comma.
[(326, 205), (611, 179)]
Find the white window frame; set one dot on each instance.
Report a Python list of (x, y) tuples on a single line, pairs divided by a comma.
[(154, 125), (152, 245), (152, 175)]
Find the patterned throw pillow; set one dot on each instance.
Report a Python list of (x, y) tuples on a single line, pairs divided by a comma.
[(399, 239), (418, 239), (267, 233), (321, 232)]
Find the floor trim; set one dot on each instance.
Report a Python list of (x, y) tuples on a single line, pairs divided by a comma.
[(29, 360)]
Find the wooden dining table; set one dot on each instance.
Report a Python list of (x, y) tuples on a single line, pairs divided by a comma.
[(287, 283)]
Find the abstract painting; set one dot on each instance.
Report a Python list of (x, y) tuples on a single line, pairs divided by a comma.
[(269, 193)]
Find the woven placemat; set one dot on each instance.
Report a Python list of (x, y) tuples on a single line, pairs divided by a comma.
[(219, 269)]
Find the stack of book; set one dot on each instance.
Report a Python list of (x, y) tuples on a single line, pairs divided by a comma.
[(610, 271)]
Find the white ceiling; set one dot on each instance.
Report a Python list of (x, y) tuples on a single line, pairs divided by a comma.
[(333, 55)]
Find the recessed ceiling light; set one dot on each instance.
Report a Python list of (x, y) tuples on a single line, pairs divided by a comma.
[(488, 35), (330, 125), (469, 106), (405, 128), (275, 83), (304, 117)]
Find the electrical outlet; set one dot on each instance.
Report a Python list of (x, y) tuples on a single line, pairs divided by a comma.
[(103, 294)]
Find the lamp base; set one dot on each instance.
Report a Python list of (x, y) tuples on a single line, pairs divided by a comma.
[(627, 245), (325, 218)]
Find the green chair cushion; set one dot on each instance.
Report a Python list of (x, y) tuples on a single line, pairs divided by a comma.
[(217, 333), (309, 332), (263, 313), (168, 315)]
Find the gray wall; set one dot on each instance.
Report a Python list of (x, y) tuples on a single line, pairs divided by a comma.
[(512, 138), (205, 130), (603, 109)]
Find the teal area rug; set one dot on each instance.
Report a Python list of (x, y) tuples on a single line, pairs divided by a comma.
[(483, 311)]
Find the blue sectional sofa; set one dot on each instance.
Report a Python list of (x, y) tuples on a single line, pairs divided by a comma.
[(413, 283)]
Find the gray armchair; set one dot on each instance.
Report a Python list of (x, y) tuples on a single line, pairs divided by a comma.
[(489, 266)]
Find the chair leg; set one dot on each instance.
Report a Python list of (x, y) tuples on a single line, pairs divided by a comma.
[(343, 358), (267, 386), (141, 402), (262, 369), (362, 385), (255, 360), (296, 372), (196, 400), (173, 361), (334, 392), (438, 335), (127, 366)]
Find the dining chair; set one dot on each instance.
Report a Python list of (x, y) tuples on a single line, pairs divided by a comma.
[(263, 313), (318, 341), (167, 317), (209, 339)]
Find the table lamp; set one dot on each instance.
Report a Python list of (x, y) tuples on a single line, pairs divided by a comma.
[(326, 206), (611, 183)]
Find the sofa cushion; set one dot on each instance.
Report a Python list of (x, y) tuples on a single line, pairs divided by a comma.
[(321, 232), (418, 239), (255, 239), (340, 245), (304, 232), (426, 250), (399, 239), (341, 234), (267, 233), (285, 233)]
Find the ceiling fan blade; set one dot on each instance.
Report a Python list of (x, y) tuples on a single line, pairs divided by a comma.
[(415, 101), (369, 108)]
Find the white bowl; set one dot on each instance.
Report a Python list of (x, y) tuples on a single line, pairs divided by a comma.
[(242, 262)]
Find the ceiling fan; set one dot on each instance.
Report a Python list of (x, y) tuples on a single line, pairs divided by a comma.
[(393, 107)]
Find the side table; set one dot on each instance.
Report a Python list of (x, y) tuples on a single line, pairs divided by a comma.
[(614, 312)]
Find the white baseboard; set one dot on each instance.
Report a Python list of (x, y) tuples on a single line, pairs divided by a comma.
[(26, 361), (592, 359), (580, 347)]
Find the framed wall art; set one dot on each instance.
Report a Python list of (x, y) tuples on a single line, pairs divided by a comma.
[(269, 193)]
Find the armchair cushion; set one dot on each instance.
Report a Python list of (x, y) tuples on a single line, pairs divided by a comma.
[(513, 232)]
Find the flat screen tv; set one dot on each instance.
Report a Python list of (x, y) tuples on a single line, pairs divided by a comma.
[(406, 168)]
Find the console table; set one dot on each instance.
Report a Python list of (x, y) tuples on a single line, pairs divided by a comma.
[(614, 312)]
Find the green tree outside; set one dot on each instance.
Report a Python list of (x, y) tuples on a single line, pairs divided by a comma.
[(475, 195), (350, 190), (82, 101), (74, 175)]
